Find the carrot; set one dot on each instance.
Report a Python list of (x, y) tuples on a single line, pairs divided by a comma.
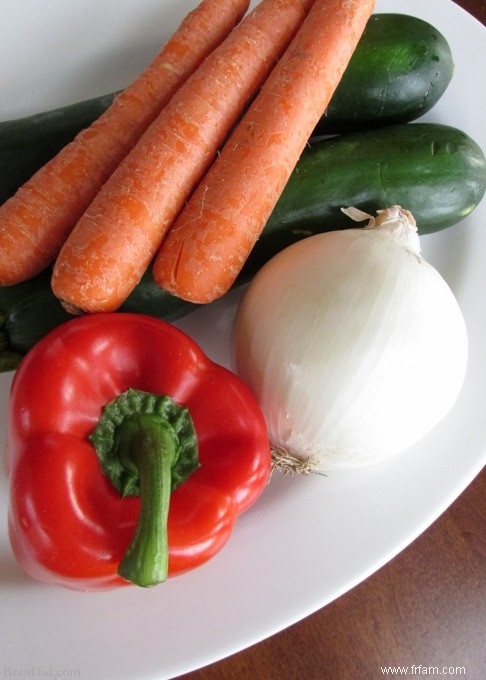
[(214, 234), (115, 240), (35, 222)]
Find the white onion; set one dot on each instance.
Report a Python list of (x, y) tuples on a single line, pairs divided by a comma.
[(353, 344)]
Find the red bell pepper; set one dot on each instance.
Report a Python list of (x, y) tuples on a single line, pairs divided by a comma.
[(162, 417)]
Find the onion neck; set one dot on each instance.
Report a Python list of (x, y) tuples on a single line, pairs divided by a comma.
[(394, 221)]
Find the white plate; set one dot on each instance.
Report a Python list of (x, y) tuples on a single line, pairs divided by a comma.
[(307, 540)]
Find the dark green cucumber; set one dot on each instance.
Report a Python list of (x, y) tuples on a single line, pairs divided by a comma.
[(435, 171), (26, 144), (399, 70), (29, 310)]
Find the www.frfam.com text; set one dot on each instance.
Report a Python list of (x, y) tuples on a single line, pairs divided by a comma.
[(424, 670)]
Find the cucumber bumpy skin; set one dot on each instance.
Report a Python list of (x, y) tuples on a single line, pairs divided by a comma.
[(400, 69), (435, 171)]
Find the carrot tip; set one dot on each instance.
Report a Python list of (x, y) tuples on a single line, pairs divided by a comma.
[(71, 309)]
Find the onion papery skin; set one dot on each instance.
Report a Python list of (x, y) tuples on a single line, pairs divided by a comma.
[(354, 346)]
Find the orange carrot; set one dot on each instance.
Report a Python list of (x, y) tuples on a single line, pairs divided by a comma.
[(35, 222), (115, 240), (214, 234)]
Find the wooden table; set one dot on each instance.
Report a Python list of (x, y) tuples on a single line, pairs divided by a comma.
[(426, 607)]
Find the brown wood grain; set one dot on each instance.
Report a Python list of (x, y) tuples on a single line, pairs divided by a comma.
[(475, 7), (426, 608)]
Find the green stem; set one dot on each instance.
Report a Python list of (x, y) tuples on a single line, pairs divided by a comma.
[(149, 442), (147, 446)]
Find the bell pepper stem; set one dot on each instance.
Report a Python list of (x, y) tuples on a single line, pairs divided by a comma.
[(149, 443), (146, 445)]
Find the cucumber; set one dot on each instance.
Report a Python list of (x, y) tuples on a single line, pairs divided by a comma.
[(26, 144), (29, 310), (435, 171), (399, 70)]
